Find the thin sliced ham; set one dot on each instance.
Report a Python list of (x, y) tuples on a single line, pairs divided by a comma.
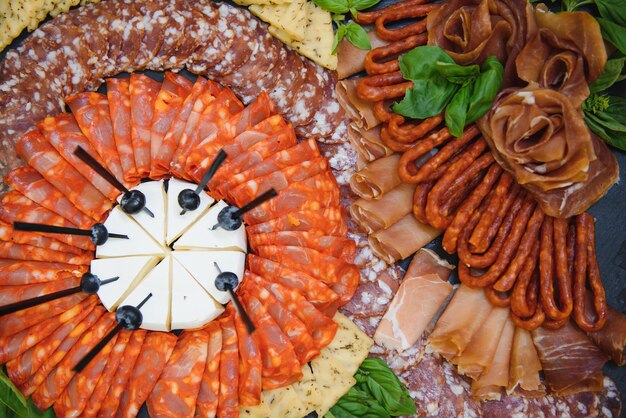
[(401, 239), (360, 111), (367, 144), (490, 384), (525, 364), (612, 337), (374, 215), (377, 178)]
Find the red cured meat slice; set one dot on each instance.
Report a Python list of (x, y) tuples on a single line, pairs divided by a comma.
[(176, 391), (106, 378), (77, 393), (29, 253), (119, 104), (18, 321), (14, 345), (337, 247), (13, 272), (30, 183), (176, 128), (12, 294), (122, 374), (143, 92), (250, 365), (40, 155), (328, 221), (280, 363), (228, 398), (7, 233), (206, 404), (41, 365), (93, 116), (155, 352), (63, 133), (51, 389), (291, 325), (314, 290), (168, 103)]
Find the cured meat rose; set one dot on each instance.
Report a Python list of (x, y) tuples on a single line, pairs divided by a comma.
[(206, 405)]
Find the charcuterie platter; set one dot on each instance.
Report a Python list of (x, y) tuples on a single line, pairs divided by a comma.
[(218, 209)]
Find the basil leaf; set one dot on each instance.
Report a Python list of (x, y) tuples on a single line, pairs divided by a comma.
[(386, 388), (456, 73), (456, 112), (333, 6), (11, 397), (486, 88), (420, 63), (363, 4), (611, 75), (341, 32), (358, 404), (613, 33), (613, 10), (357, 36)]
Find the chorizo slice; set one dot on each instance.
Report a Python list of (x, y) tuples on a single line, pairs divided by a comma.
[(119, 380), (155, 352), (118, 94), (35, 239), (13, 294), (176, 390), (14, 345), (228, 396), (143, 92), (31, 184), (327, 221), (315, 291), (13, 272), (63, 133), (40, 155), (47, 363), (338, 247), (91, 111), (250, 365), (280, 363), (25, 252), (18, 321), (206, 403)]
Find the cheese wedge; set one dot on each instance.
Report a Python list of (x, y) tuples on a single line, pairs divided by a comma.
[(308, 390), (201, 235), (177, 224), (259, 411), (318, 38), (290, 18), (350, 345), (284, 403), (192, 307), (156, 311), (201, 266), (155, 201), (333, 380), (129, 270), (138, 242)]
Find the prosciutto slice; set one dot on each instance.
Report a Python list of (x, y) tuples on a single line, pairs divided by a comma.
[(612, 337), (401, 239), (377, 178), (350, 58), (360, 111), (373, 215), (525, 364), (367, 144)]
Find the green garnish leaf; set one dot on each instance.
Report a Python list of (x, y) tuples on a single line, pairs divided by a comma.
[(364, 4), (456, 112), (11, 397), (341, 32), (486, 88), (606, 117), (385, 386), (456, 73), (614, 33), (611, 75), (357, 36)]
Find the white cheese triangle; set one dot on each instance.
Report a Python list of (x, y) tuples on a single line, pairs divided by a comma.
[(201, 266), (139, 242), (177, 224), (129, 270), (201, 236), (155, 201), (192, 307), (156, 311)]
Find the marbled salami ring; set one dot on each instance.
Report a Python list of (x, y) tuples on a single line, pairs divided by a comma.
[(383, 86), (377, 61)]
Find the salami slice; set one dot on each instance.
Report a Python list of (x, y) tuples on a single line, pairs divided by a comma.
[(14, 273), (92, 114), (13, 294), (206, 403), (18, 321), (119, 381), (155, 352), (228, 397), (14, 345), (31, 184), (151, 14), (118, 94), (338, 247), (250, 365), (25, 252), (143, 92), (176, 391), (327, 221), (7, 233), (40, 155), (313, 290), (47, 355), (64, 134), (280, 363)]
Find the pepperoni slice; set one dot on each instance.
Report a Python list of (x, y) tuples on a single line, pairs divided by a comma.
[(118, 93), (13, 272), (91, 111), (34, 239), (31, 184), (122, 374), (40, 155), (29, 253), (328, 221), (250, 365), (206, 403), (155, 352), (143, 93), (13, 294), (338, 247), (176, 391), (228, 398)]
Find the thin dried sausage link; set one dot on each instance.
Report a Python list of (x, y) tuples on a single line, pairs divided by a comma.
[(530, 323), (375, 59), (407, 167), (368, 18), (401, 14), (382, 112), (553, 324), (497, 298), (383, 87), (419, 201), (409, 133), (551, 237), (526, 290), (586, 271)]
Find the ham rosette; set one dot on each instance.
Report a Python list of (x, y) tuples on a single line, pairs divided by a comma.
[(541, 139), (472, 30), (566, 54)]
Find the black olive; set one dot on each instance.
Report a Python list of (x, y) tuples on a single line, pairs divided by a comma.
[(99, 234), (90, 283), (188, 200), (226, 280), (227, 220), (133, 201), (130, 316)]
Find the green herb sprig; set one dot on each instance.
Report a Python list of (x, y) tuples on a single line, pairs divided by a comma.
[(13, 404), (466, 92), (351, 31), (378, 393)]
